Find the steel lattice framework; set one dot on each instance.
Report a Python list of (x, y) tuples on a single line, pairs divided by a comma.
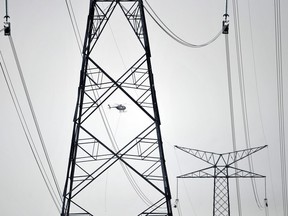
[(221, 171), (138, 155)]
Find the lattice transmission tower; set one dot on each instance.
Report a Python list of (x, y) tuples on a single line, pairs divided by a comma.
[(121, 145), (221, 169)]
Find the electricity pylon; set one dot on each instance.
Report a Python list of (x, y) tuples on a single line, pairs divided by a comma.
[(221, 170), (134, 159)]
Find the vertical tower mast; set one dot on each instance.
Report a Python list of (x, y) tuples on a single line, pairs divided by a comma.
[(134, 161)]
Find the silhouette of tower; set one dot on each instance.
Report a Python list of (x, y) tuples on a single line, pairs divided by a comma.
[(221, 171), (129, 150)]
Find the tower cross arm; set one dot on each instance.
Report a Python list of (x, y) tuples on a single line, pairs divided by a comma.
[(232, 157), (239, 173), (202, 173), (209, 157)]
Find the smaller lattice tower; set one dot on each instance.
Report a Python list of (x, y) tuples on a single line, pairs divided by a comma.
[(221, 170)]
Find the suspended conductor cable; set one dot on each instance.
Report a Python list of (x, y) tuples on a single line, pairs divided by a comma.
[(243, 98), (255, 74), (231, 102), (254, 186), (171, 34), (281, 113), (74, 23), (28, 134), (34, 117), (232, 118)]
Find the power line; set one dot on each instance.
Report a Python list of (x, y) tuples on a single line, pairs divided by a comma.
[(74, 23), (243, 96), (34, 117), (23, 120), (27, 133), (171, 34), (281, 113), (232, 120), (255, 190)]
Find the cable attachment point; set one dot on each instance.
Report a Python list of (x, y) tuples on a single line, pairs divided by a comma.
[(176, 203), (266, 202), (7, 28), (225, 24)]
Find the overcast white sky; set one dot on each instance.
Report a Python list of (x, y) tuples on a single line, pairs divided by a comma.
[(191, 87)]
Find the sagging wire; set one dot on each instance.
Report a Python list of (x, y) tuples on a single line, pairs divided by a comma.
[(7, 32), (171, 34), (231, 108), (34, 117), (74, 24), (280, 103), (254, 185), (27, 133), (243, 99)]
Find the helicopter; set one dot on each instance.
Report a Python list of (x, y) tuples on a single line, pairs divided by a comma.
[(119, 107)]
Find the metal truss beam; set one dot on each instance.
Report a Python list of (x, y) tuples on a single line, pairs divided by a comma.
[(224, 159)]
